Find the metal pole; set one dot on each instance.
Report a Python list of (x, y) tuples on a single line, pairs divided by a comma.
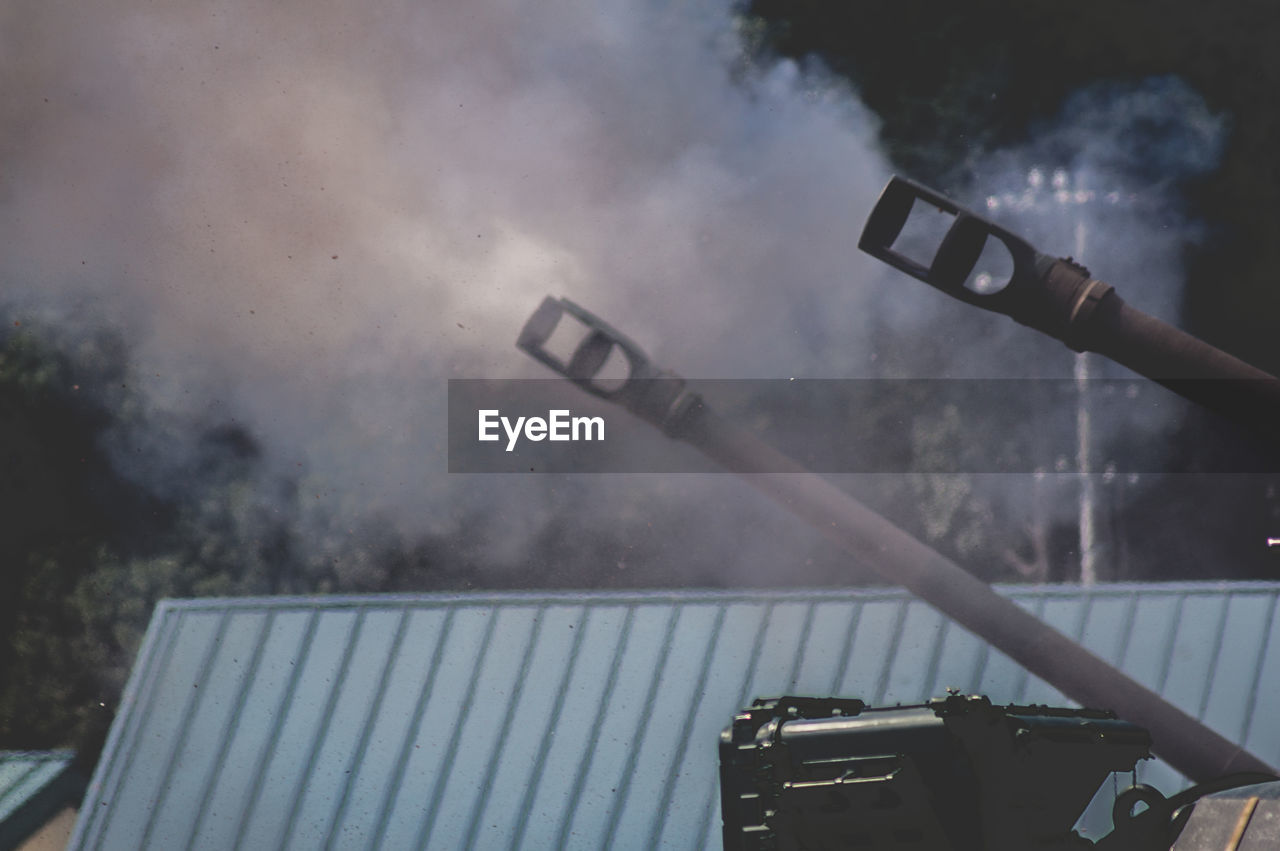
[(1066, 192), (1084, 433)]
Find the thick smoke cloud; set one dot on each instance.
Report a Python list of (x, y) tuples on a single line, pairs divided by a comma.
[(308, 216)]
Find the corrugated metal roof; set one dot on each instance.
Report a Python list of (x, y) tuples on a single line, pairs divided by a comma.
[(576, 720), (34, 785)]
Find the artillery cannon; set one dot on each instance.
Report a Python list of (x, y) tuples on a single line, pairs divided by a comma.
[(1058, 297)]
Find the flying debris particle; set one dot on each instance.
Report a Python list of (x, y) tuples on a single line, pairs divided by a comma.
[(463, 327)]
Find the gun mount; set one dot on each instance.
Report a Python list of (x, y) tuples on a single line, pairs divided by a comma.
[(953, 774)]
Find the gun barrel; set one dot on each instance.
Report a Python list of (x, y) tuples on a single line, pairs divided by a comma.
[(1181, 740), (1186, 743), (1060, 298), (1183, 363)]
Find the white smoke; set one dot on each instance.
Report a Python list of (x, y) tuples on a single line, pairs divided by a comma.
[(309, 215), (1102, 182)]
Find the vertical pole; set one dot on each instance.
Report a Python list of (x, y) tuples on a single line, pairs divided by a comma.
[(1088, 494)]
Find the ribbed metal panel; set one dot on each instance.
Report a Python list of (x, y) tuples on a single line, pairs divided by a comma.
[(576, 721), (25, 774), (34, 787)]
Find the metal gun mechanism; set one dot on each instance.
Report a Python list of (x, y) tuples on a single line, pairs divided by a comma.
[(953, 774)]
